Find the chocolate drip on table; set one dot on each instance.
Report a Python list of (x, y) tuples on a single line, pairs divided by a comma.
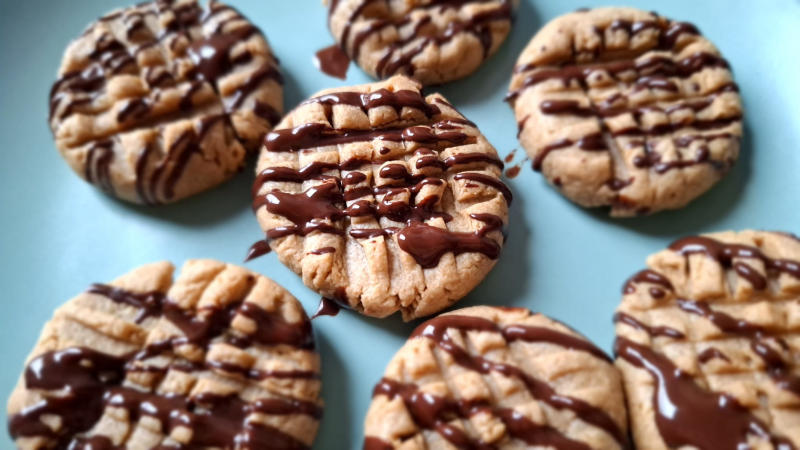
[(436, 330), (90, 388), (328, 307), (687, 414), (332, 61), (258, 249)]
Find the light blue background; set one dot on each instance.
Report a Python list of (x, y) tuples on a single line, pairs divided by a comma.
[(59, 234)]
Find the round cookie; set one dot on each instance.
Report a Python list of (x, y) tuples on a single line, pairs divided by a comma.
[(708, 343), (433, 41), (159, 101), (489, 377), (382, 199), (219, 358), (624, 108)]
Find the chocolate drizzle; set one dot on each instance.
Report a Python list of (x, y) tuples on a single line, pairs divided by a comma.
[(648, 71), (724, 254), (688, 415), (209, 50), (436, 330), (421, 33), (432, 412), (682, 406), (646, 276), (166, 174), (427, 244), (631, 321), (98, 163), (91, 381), (319, 135), (777, 367), (403, 197)]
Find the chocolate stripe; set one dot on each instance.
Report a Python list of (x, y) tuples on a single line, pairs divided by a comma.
[(683, 408), (436, 330)]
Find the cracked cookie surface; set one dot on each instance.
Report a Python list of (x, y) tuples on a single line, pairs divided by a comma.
[(624, 108), (162, 100), (433, 41), (712, 329), (219, 358), (488, 377), (382, 199)]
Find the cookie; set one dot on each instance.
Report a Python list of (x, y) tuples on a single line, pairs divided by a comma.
[(162, 100), (489, 377), (432, 41), (708, 343), (382, 199), (219, 358), (627, 109)]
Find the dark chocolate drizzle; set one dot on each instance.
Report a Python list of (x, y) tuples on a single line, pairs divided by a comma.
[(652, 331), (76, 91), (646, 276), (432, 412), (687, 414), (777, 367), (398, 58), (92, 380), (340, 197), (436, 330), (725, 253), (655, 72), (682, 406), (98, 163), (381, 97)]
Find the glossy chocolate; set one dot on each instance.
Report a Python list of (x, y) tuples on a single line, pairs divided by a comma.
[(688, 415), (92, 380), (399, 56), (436, 330)]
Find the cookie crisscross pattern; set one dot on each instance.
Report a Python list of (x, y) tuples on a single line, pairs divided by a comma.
[(433, 41), (733, 325), (626, 108), (219, 341), (371, 175), (442, 402), (150, 92)]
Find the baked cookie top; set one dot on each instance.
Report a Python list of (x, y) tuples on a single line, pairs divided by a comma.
[(434, 41), (489, 377), (624, 108), (708, 342), (219, 358), (382, 198), (161, 100)]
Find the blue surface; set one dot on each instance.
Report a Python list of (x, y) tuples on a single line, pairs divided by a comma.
[(59, 234)]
